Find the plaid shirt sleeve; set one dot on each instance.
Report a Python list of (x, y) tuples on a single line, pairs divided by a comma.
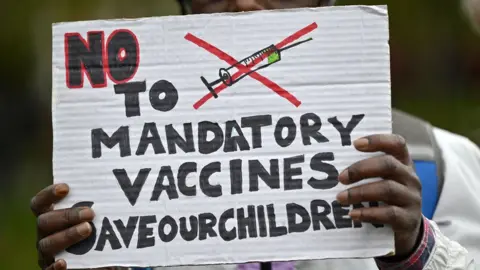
[(419, 258)]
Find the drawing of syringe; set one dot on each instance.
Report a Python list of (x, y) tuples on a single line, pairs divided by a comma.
[(271, 52)]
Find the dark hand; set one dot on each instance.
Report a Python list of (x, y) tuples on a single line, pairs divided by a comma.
[(400, 189), (58, 229)]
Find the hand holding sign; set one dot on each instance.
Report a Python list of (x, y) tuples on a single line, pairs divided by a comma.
[(58, 229), (401, 189)]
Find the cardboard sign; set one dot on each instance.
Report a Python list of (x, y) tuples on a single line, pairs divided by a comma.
[(218, 139)]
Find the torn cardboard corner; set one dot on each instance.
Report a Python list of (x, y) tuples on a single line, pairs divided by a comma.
[(218, 139)]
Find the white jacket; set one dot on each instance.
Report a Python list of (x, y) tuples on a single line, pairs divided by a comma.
[(458, 210)]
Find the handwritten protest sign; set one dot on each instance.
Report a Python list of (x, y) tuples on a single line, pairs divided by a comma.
[(215, 139)]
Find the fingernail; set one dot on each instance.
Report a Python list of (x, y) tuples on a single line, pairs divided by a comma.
[(361, 144), (84, 229), (86, 214), (61, 190), (342, 197), (354, 214), (343, 177)]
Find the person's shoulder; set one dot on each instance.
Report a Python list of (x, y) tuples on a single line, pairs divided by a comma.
[(456, 144), (461, 157)]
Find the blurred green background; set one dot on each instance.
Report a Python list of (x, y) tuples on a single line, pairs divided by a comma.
[(435, 75)]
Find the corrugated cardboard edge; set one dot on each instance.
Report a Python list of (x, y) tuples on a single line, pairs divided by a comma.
[(380, 10)]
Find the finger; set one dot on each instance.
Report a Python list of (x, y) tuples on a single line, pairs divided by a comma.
[(385, 166), (389, 215), (43, 201), (58, 265), (391, 144), (58, 220), (53, 244), (387, 191), (44, 261)]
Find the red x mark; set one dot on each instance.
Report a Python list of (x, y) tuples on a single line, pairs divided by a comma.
[(242, 69)]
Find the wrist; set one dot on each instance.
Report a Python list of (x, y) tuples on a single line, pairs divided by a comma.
[(420, 255), (399, 257)]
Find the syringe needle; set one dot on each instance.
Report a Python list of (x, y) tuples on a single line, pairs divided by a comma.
[(295, 44)]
